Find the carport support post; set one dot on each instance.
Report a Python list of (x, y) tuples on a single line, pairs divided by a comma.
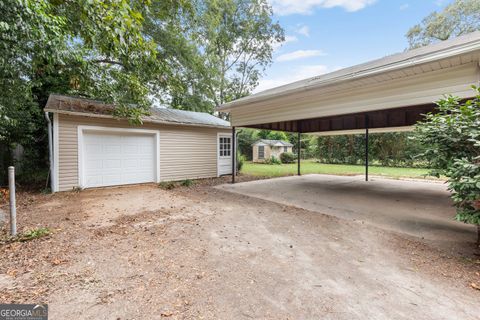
[(299, 146), (234, 155), (366, 147)]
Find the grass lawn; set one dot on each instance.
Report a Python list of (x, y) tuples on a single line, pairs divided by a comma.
[(310, 166)]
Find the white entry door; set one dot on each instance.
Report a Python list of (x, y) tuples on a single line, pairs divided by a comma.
[(117, 158), (224, 154)]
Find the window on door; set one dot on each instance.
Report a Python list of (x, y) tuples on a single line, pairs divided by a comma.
[(225, 145), (261, 152)]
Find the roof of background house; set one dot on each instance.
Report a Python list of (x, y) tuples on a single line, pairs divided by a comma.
[(93, 108), (434, 52), (274, 142)]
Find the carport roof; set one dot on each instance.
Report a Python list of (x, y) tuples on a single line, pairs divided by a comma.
[(390, 93), (94, 108), (442, 50)]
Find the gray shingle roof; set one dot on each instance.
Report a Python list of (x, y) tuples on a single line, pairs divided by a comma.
[(68, 104), (274, 142)]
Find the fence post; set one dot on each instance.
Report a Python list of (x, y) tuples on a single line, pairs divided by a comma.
[(13, 206)]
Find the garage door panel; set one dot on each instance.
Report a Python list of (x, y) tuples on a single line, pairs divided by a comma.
[(94, 165), (93, 148), (112, 148), (111, 179), (116, 159), (93, 180), (132, 163), (112, 164)]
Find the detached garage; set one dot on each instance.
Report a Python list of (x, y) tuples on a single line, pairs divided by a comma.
[(91, 148)]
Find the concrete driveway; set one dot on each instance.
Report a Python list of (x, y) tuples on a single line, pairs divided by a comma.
[(417, 208)]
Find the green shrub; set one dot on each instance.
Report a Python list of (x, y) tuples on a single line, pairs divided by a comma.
[(273, 160), (187, 183), (451, 137), (240, 161), (287, 157)]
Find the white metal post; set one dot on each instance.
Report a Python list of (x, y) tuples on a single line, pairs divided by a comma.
[(13, 206)]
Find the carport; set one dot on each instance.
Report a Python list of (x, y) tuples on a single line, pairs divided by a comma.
[(384, 95)]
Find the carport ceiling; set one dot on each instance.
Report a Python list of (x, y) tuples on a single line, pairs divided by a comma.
[(392, 92), (389, 118)]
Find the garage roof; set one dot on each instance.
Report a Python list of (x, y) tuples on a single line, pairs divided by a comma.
[(92, 108)]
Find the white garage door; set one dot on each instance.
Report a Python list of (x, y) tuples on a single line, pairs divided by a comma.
[(115, 159)]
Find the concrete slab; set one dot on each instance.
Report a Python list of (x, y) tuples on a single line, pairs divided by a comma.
[(417, 208)]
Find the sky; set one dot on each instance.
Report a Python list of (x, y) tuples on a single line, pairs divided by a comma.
[(326, 35)]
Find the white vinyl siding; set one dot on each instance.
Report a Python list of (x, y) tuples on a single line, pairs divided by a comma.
[(185, 151)]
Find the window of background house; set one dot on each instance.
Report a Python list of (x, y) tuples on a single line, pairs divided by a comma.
[(261, 152)]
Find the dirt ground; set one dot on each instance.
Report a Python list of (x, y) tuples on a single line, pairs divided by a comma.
[(142, 252)]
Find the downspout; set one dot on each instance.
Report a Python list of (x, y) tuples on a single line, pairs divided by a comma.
[(50, 150), (236, 151)]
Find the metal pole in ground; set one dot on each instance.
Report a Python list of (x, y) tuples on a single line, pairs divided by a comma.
[(299, 147), (13, 205), (366, 146), (234, 155)]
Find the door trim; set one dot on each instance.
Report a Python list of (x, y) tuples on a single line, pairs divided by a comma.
[(81, 152), (222, 134)]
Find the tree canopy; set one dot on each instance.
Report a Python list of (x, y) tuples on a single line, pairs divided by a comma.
[(229, 44), (460, 17)]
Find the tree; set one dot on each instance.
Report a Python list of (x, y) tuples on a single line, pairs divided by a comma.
[(236, 39), (451, 138), (460, 17), (246, 138)]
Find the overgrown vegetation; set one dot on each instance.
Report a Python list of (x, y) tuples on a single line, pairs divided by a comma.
[(166, 185), (241, 159), (29, 235), (187, 183), (451, 138), (272, 160), (287, 157), (169, 185)]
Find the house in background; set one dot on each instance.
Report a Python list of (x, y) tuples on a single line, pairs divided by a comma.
[(92, 148), (265, 149)]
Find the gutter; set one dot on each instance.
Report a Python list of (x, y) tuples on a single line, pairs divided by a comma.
[(50, 150)]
